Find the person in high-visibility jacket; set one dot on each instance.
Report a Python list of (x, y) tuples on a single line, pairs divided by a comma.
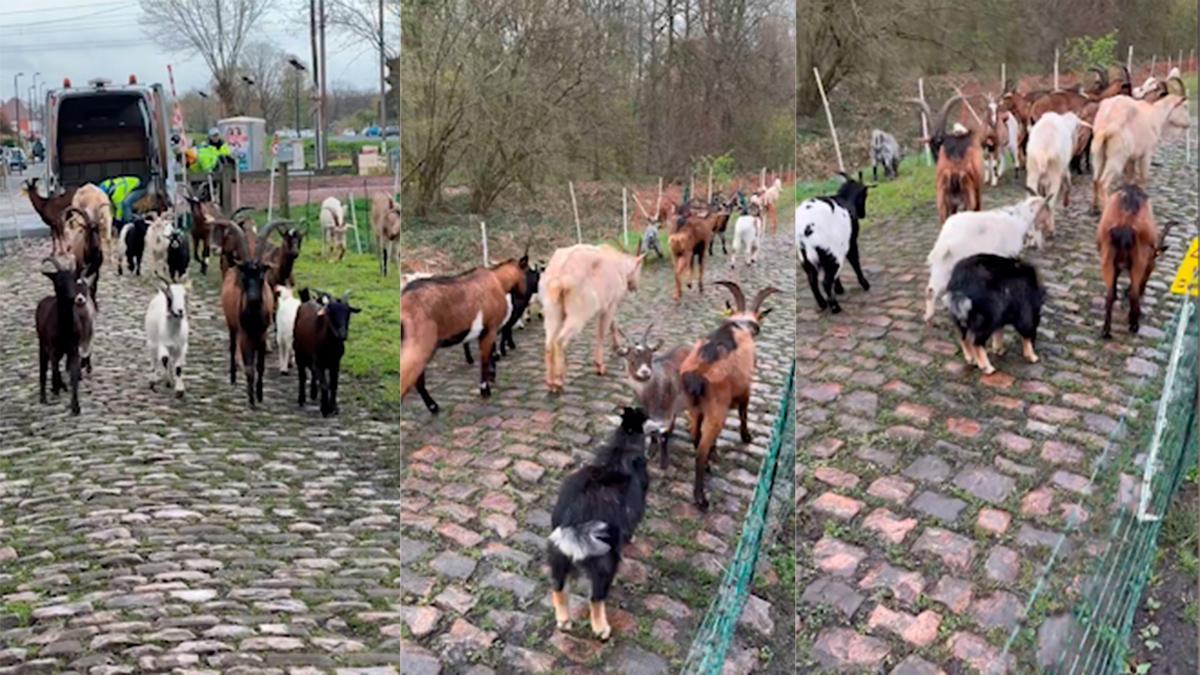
[(123, 192), (209, 155)]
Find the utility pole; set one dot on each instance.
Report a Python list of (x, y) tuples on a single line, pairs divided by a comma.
[(318, 68), (382, 88), (324, 83)]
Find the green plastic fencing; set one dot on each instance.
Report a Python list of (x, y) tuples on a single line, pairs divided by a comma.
[(707, 653), (1099, 639), (1106, 612)]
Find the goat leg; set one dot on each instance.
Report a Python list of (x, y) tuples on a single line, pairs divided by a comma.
[(602, 322), (301, 371), (856, 265), (486, 374), (248, 365), (56, 380), (430, 404), (43, 364), (1135, 307), (829, 276), (73, 370), (1027, 349), (810, 271), (743, 411), (710, 428), (261, 363), (1106, 331), (467, 352), (232, 356), (333, 387)]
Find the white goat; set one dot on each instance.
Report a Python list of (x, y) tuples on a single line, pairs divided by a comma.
[(1048, 158), (285, 325), (1126, 133), (581, 282), (333, 225), (827, 236), (167, 334), (747, 236), (1004, 232)]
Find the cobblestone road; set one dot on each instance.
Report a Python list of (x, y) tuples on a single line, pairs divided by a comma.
[(153, 534), (933, 495), (483, 476)]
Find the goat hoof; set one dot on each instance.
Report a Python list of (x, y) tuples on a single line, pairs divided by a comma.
[(485, 391), (75, 410), (179, 393), (835, 308), (866, 286), (602, 633), (747, 437), (701, 503), (989, 370), (564, 625)]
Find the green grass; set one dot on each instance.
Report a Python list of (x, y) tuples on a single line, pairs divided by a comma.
[(912, 190), (373, 349)]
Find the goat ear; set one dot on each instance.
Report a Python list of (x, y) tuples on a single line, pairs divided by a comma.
[(354, 310), (763, 314)]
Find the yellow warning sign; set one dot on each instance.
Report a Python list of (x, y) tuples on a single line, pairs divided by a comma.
[(1185, 278)]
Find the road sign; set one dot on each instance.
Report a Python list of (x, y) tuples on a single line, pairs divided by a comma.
[(1185, 278)]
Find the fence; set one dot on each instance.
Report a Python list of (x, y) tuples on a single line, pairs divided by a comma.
[(707, 653)]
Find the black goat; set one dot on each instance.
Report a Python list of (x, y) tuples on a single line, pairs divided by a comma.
[(133, 238), (320, 339), (178, 255), (598, 509), (988, 292), (63, 322)]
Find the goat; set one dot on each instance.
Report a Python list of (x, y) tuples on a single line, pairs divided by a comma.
[(283, 256), (519, 300), (1061, 102), (998, 139), (581, 282), (1126, 133), (1081, 150), (385, 224), (333, 226), (87, 246), (204, 215), (988, 292), (767, 198), (248, 304), (178, 255), (443, 311), (1151, 90), (1128, 240), (747, 236), (166, 325), (94, 202), (50, 210), (717, 374), (157, 242), (63, 321), (285, 323), (827, 236), (723, 210), (1104, 88), (131, 246), (598, 510), (655, 379), (1005, 232), (959, 163), (1048, 159), (320, 341), (689, 241), (885, 152)]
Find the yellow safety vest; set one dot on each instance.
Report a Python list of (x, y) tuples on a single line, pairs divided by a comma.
[(118, 190)]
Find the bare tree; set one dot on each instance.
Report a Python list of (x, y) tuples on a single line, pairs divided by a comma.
[(215, 30), (265, 65)]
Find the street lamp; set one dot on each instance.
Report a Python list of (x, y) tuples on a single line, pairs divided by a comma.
[(299, 66), (17, 104), (203, 108)]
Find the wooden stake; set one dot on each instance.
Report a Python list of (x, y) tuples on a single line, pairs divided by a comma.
[(575, 208), (658, 204), (924, 122), (1003, 76), (270, 191), (837, 148), (483, 236), (710, 170), (762, 178), (1153, 62), (354, 220), (1129, 61), (624, 216), (692, 190), (1056, 69), (641, 208)]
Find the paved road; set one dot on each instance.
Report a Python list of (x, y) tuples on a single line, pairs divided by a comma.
[(482, 478), (150, 534), (933, 495)]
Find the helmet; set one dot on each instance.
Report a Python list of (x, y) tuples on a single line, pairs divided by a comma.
[(214, 132)]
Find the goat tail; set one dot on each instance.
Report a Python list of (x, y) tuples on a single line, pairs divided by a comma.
[(694, 385), (1099, 152), (1123, 239), (582, 541), (959, 306)]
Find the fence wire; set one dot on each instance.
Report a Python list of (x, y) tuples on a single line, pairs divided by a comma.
[(707, 653)]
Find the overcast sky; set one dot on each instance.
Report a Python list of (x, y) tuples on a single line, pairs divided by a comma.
[(44, 36)]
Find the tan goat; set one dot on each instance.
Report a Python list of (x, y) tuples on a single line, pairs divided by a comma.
[(581, 282)]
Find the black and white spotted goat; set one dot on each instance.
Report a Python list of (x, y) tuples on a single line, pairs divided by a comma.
[(827, 236)]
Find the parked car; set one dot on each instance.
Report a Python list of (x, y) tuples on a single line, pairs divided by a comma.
[(392, 132), (15, 157), (371, 132)]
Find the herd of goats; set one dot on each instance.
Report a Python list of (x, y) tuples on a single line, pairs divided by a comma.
[(258, 287), (1111, 127)]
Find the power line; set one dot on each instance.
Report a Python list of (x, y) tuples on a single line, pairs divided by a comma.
[(43, 10), (68, 19)]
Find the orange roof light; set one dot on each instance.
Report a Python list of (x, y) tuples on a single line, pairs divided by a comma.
[(132, 78), (66, 83)]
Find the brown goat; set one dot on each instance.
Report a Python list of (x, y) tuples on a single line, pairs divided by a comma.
[(717, 375), (443, 311), (248, 303), (283, 256), (385, 225), (959, 162), (690, 238), (1128, 240), (50, 210), (1060, 102), (64, 325)]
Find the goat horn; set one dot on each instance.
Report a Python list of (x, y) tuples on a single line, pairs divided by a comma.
[(74, 210), (1178, 81), (1101, 75), (739, 298), (1128, 77), (967, 103), (646, 335), (54, 261), (760, 296), (923, 104), (640, 207)]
